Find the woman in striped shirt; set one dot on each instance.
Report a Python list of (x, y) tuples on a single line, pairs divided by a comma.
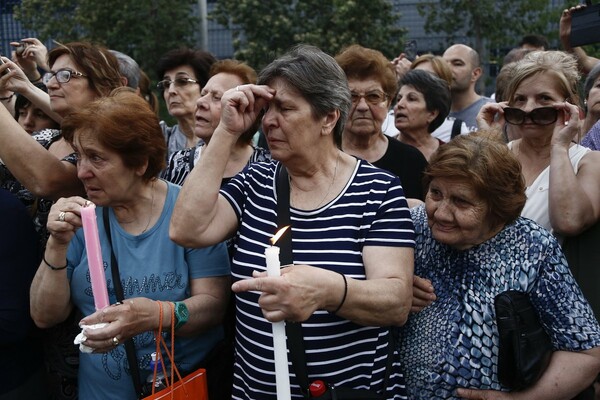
[(352, 236)]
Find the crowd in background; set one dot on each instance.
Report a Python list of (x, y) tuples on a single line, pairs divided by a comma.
[(413, 202)]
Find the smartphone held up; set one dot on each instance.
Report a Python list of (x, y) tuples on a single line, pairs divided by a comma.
[(585, 25)]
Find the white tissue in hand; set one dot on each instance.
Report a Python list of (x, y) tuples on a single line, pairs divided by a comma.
[(80, 338)]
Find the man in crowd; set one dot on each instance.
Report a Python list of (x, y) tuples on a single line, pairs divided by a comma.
[(466, 71)]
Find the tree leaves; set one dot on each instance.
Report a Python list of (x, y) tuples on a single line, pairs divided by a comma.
[(265, 30)]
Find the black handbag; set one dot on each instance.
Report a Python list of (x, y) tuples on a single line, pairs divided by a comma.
[(524, 349), (295, 340)]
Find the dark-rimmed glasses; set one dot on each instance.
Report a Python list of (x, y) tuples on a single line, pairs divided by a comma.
[(62, 76), (539, 116), (179, 83), (373, 97)]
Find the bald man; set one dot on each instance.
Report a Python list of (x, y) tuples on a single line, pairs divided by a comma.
[(466, 71)]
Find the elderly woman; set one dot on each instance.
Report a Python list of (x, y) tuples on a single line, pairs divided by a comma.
[(561, 176), (373, 85), (41, 168), (224, 75), (339, 205), (422, 105), (472, 245), (120, 150), (183, 73)]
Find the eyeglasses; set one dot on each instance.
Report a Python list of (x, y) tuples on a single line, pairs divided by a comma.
[(539, 116), (179, 83), (62, 76), (373, 97)]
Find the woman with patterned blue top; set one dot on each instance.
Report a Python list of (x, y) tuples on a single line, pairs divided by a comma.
[(351, 232), (120, 151), (471, 245)]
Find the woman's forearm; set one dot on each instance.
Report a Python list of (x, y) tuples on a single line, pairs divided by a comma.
[(39, 170), (198, 202), (50, 292), (41, 100), (568, 374), (207, 307), (570, 206)]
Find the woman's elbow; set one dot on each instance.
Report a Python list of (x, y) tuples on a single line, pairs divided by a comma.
[(570, 227), (402, 311), (180, 235), (43, 320)]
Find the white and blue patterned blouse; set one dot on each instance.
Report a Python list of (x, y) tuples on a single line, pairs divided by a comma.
[(454, 342)]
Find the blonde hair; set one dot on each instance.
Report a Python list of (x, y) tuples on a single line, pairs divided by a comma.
[(562, 65), (438, 64)]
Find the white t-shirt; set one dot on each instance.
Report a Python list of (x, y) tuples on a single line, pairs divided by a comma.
[(443, 132)]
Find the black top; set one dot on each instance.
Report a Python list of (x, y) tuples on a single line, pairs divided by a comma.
[(406, 162), (20, 350)]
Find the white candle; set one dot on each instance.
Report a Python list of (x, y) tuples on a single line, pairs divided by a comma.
[(282, 375)]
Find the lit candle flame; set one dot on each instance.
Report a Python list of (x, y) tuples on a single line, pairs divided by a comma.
[(279, 233)]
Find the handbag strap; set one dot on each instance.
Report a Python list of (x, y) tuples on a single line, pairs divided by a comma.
[(293, 330), (129, 345)]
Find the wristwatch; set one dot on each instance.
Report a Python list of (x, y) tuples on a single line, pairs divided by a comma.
[(181, 314)]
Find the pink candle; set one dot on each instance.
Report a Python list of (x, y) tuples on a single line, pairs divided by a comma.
[(94, 253)]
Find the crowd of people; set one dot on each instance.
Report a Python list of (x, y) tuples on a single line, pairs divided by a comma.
[(413, 202)]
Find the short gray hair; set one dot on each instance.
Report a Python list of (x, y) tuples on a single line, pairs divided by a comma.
[(318, 78), (128, 68)]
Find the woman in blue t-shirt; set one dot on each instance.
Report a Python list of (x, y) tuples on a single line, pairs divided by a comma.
[(120, 151)]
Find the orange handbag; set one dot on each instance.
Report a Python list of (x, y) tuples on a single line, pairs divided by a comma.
[(192, 386)]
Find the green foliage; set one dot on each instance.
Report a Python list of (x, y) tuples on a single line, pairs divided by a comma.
[(264, 30), (143, 30), (500, 24)]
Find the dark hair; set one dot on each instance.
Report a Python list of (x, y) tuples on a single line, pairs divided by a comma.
[(435, 91), (318, 78), (484, 161), (362, 63), (199, 60), (146, 92), (535, 41), (589, 81), (124, 123), (247, 74), (22, 102), (98, 64)]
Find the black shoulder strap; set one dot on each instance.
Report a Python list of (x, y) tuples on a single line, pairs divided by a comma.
[(293, 330), (456, 128), (129, 345)]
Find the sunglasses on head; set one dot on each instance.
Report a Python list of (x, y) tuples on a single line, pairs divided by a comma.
[(539, 116)]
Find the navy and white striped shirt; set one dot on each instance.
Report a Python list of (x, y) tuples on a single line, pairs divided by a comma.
[(370, 211)]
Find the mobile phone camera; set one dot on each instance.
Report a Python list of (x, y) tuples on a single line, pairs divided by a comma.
[(21, 48)]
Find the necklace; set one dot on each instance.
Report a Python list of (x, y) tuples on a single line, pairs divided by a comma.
[(337, 162), (151, 209)]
